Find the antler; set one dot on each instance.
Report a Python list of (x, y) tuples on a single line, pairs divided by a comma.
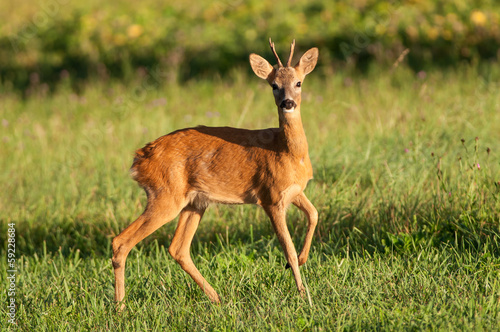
[(275, 54), (292, 47)]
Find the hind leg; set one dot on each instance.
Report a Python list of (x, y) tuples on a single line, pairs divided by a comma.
[(181, 243), (158, 212)]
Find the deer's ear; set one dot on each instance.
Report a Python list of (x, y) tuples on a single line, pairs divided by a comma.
[(308, 61), (260, 66)]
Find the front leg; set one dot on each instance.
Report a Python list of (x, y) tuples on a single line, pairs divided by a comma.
[(277, 215), (311, 213)]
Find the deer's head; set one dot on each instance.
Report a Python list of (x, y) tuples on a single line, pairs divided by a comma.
[(286, 81)]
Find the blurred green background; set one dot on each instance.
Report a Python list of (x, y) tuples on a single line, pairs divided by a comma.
[(59, 40)]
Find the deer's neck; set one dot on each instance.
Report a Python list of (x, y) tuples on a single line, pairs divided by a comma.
[(292, 134)]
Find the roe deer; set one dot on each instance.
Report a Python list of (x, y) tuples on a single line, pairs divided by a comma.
[(184, 171)]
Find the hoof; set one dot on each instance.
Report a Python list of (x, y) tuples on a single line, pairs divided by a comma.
[(120, 307)]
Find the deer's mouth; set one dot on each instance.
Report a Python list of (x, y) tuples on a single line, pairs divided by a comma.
[(286, 110)]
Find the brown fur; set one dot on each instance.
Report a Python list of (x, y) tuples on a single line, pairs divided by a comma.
[(185, 171), (206, 169)]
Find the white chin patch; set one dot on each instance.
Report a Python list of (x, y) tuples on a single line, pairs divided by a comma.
[(288, 111)]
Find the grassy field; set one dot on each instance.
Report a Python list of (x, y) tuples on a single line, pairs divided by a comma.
[(407, 185)]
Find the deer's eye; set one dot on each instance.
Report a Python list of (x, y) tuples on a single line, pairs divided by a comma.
[(299, 84), (275, 86)]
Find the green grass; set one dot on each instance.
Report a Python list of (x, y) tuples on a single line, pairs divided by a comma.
[(426, 289), (409, 225)]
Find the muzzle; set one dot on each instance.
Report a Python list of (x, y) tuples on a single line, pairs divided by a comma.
[(288, 104)]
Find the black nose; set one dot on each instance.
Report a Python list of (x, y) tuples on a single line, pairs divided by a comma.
[(288, 104)]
